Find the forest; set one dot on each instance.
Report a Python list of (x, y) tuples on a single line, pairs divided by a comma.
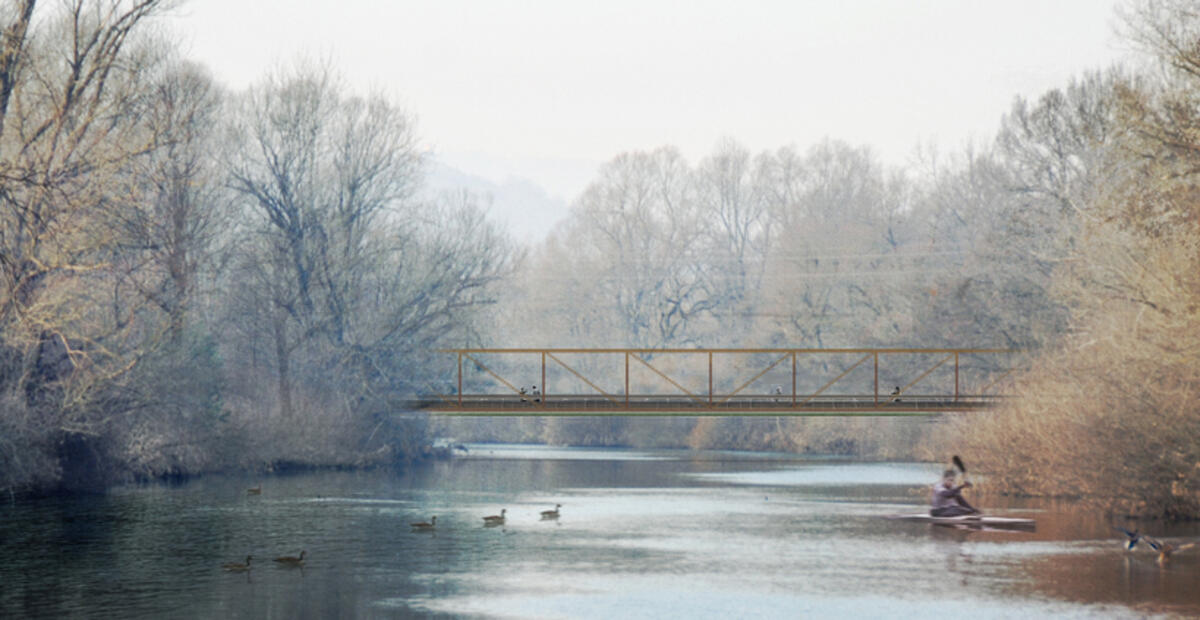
[(196, 279)]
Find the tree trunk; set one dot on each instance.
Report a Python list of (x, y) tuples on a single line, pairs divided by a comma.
[(282, 356)]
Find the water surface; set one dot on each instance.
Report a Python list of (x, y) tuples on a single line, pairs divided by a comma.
[(641, 534)]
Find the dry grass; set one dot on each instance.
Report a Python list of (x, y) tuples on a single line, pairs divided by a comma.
[(321, 432), (1113, 415)]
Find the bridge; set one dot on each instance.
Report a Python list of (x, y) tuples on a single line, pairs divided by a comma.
[(717, 382)]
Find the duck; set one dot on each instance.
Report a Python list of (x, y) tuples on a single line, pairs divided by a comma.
[(1134, 538), (1166, 550), (495, 519), (237, 567), (254, 490), (422, 525), (291, 560), (551, 514)]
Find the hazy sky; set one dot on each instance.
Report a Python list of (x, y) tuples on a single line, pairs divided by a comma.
[(547, 89)]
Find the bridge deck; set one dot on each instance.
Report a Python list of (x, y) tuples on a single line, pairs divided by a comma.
[(716, 382), (660, 405)]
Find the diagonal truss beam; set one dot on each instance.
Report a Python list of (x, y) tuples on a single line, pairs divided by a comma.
[(923, 375), (755, 378), (670, 380), (448, 400), (489, 371), (610, 397), (836, 379), (539, 402)]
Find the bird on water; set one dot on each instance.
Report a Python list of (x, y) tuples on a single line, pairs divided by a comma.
[(237, 567), (1165, 549), (292, 560), (495, 519), (551, 514), (425, 525), (1134, 538)]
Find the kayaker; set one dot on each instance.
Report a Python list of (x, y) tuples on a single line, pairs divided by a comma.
[(947, 500)]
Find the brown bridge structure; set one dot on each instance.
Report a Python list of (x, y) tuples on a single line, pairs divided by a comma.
[(718, 382)]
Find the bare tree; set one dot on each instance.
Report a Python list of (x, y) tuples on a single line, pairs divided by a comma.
[(433, 278), (173, 232), (733, 203), (352, 275), (1055, 148), (319, 171), (1010, 216), (70, 133), (635, 240), (834, 263)]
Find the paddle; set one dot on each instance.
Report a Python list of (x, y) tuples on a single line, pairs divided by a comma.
[(959, 464), (962, 469)]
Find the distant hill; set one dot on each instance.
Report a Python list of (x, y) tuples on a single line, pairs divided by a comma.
[(526, 208)]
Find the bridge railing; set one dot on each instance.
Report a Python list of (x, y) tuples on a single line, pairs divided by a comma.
[(696, 382)]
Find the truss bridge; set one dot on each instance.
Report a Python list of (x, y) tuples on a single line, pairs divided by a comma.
[(718, 382)]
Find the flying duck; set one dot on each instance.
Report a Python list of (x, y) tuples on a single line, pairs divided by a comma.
[(1166, 550), (1134, 538)]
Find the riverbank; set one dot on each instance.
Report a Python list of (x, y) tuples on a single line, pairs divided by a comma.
[(54, 461)]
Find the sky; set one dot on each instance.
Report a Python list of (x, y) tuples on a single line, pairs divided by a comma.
[(545, 91)]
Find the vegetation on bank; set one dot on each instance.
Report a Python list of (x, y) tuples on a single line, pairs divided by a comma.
[(1111, 412), (193, 279)]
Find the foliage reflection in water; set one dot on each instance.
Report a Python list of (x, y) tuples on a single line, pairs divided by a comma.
[(641, 534)]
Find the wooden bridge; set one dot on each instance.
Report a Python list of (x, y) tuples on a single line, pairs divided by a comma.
[(718, 382)]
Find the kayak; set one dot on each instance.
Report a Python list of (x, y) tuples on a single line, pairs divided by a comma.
[(967, 520)]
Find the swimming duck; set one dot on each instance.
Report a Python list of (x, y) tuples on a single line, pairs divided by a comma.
[(422, 525), (1134, 538), (237, 567), (551, 514), (254, 490), (291, 560), (495, 519)]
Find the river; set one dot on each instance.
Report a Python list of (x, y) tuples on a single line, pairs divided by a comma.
[(641, 534)]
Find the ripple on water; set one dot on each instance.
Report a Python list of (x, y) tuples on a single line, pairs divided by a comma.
[(900, 474)]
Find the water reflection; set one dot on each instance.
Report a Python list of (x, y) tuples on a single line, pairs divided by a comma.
[(640, 534)]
